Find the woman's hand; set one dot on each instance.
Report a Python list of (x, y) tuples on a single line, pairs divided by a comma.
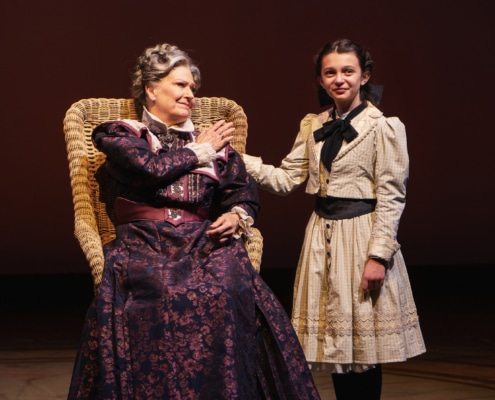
[(219, 135), (223, 228), (373, 275)]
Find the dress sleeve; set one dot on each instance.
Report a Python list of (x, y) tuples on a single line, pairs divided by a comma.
[(293, 170), (237, 190), (132, 160), (391, 175)]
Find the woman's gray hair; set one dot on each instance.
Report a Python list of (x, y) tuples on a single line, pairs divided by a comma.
[(154, 64)]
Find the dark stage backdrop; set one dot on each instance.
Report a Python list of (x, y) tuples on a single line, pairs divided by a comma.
[(434, 58)]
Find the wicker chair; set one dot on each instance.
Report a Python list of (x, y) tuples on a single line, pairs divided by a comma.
[(93, 226)]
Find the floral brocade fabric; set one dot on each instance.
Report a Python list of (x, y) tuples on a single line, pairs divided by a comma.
[(178, 316), (188, 321)]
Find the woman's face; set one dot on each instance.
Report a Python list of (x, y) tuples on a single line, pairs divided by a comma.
[(172, 98), (341, 77)]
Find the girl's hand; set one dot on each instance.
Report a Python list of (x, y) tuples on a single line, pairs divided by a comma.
[(373, 275)]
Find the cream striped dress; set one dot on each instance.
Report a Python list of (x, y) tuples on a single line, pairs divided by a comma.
[(341, 328)]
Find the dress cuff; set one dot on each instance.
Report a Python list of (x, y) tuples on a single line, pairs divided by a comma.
[(245, 223), (204, 152), (382, 248), (253, 165)]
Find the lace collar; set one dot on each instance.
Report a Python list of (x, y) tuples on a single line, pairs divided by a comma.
[(157, 126)]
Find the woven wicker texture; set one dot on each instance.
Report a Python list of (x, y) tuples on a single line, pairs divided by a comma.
[(92, 225)]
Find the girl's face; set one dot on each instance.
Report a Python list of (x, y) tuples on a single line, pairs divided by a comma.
[(172, 98), (341, 77)]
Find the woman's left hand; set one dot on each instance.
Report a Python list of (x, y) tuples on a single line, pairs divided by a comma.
[(223, 228), (373, 275)]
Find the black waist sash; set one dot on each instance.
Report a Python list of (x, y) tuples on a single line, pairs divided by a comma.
[(339, 208)]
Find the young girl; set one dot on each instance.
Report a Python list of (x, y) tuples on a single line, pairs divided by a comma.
[(353, 308)]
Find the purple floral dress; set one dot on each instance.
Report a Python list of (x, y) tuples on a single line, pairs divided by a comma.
[(176, 315)]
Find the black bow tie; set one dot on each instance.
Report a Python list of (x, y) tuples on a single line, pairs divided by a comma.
[(334, 132)]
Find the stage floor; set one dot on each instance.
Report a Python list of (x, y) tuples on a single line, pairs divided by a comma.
[(40, 332)]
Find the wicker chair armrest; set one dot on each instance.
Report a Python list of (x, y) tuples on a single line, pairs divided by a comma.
[(254, 247), (85, 223), (90, 243)]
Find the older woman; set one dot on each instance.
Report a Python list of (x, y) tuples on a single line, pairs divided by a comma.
[(181, 313)]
